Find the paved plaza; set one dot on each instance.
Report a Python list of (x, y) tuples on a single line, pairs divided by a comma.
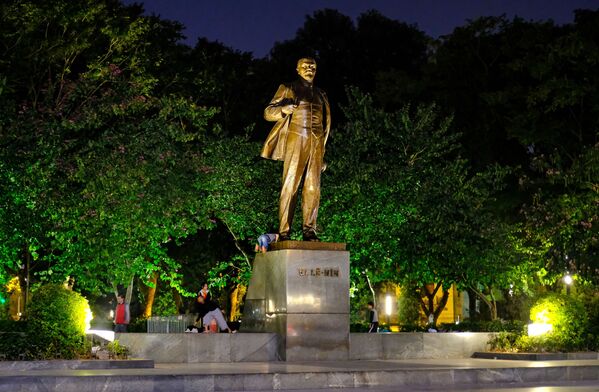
[(569, 387), (374, 376)]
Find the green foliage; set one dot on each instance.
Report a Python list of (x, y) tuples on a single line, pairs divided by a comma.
[(568, 317), (164, 303), (358, 326), (561, 222), (383, 196), (138, 324), (14, 342), (239, 192), (590, 298), (526, 96), (359, 296), (498, 325), (413, 328), (98, 167), (504, 342), (4, 307), (120, 146), (570, 328), (409, 306), (57, 322), (117, 350)]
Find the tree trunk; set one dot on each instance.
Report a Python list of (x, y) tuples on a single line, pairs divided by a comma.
[(441, 305), (24, 281), (129, 292), (235, 299), (428, 306), (472, 313), (371, 288), (178, 302), (151, 294), (492, 303)]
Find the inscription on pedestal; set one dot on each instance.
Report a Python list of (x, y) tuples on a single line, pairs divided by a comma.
[(326, 272)]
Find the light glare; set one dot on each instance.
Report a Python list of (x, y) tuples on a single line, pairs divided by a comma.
[(568, 279), (538, 329), (388, 305), (104, 334)]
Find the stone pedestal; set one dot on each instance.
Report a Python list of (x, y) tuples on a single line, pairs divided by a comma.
[(300, 290)]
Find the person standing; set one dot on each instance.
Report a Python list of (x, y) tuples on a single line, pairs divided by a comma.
[(373, 317), (303, 122), (204, 292), (121, 315), (200, 305)]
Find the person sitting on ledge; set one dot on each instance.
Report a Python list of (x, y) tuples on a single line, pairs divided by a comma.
[(213, 313), (265, 240)]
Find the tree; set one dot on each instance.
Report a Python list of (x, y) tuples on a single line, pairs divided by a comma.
[(559, 127), (224, 78), (106, 164), (373, 54), (407, 204), (241, 195), (42, 44)]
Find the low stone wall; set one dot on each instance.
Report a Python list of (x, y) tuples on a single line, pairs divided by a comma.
[(199, 347), (415, 345), (249, 347)]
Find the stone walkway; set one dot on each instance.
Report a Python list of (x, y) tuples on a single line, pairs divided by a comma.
[(563, 387), (398, 375)]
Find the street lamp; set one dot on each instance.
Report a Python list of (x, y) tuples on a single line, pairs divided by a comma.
[(568, 281)]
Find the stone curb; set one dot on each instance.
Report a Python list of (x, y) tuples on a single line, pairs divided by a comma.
[(536, 356), (84, 364)]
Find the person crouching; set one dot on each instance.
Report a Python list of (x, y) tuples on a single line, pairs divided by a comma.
[(213, 312)]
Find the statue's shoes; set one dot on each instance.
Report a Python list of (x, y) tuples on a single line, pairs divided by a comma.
[(310, 236)]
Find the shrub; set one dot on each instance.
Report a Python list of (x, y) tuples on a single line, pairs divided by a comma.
[(498, 325), (569, 319), (12, 326), (590, 298), (505, 342), (13, 339), (138, 324), (360, 326), (413, 328), (570, 328), (117, 350), (57, 319)]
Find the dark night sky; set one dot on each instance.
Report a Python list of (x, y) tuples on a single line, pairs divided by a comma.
[(254, 26)]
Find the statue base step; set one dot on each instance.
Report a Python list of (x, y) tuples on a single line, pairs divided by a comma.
[(307, 245)]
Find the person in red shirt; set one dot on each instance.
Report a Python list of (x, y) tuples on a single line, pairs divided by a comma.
[(204, 292), (121, 315)]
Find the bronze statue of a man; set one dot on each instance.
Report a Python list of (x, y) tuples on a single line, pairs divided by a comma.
[(303, 118)]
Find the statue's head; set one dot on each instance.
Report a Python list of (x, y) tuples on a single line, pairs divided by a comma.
[(306, 68)]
